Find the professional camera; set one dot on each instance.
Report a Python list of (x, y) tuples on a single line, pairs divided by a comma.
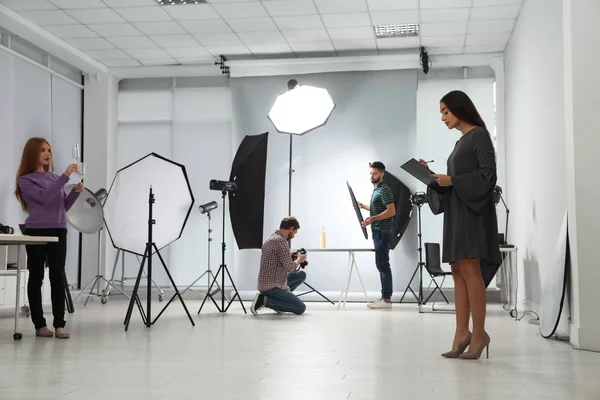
[(295, 256), (418, 199), (6, 229)]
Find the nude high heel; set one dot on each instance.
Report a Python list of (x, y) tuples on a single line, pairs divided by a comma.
[(474, 355), (461, 349)]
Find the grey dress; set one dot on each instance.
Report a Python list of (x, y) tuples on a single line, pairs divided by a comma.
[(470, 222)]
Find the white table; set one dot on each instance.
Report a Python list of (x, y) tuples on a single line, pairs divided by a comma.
[(19, 240), (351, 267), (510, 264)]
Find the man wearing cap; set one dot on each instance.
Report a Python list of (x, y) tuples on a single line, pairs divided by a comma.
[(382, 212)]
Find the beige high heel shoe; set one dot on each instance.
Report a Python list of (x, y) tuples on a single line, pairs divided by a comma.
[(474, 355), (461, 349)]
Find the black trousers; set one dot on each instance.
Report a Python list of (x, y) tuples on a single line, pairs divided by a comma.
[(56, 254)]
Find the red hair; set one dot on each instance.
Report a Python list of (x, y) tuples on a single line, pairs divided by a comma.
[(29, 163)]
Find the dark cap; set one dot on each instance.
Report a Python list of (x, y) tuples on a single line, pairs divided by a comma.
[(377, 165)]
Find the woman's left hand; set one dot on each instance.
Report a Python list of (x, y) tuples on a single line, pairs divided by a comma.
[(443, 180), (79, 187)]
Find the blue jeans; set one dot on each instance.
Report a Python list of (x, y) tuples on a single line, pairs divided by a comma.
[(382, 261), (284, 300)]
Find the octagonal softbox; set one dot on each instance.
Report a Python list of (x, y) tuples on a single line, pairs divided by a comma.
[(126, 206), (301, 109), (404, 207)]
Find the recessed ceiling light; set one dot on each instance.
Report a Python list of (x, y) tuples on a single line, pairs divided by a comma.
[(179, 2), (393, 31)]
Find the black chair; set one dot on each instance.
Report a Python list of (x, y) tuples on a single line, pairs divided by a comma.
[(434, 268)]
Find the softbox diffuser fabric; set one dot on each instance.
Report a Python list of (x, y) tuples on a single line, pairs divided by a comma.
[(403, 206), (247, 203)]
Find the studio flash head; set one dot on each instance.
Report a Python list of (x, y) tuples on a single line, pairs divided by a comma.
[(222, 185), (208, 207), (418, 199)]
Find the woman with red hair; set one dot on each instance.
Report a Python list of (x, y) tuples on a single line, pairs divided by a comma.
[(42, 195)]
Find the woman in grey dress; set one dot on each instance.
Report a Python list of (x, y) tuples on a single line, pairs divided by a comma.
[(471, 242)]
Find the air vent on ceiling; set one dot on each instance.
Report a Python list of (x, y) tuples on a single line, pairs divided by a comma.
[(179, 2), (394, 31)]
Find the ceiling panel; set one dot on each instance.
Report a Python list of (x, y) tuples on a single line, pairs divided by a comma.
[(141, 32), (96, 16), (337, 6), (300, 22), (113, 30), (281, 8), (76, 4), (132, 42), (386, 5), (20, 5), (495, 13), (346, 20), (207, 26), (240, 10), (52, 17), (143, 14), (71, 31), (395, 17)]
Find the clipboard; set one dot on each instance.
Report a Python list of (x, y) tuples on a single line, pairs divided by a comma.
[(419, 171)]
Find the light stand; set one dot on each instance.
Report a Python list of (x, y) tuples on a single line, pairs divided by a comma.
[(95, 283), (498, 198), (208, 271), (222, 270), (420, 263), (147, 315)]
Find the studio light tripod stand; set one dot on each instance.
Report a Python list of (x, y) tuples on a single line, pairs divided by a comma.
[(208, 272), (420, 263), (135, 299), (222, 270)]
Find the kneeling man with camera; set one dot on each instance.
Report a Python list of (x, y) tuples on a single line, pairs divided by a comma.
[(279, 275)]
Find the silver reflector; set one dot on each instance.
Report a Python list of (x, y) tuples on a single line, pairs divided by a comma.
[(126, 207), (86, 213)]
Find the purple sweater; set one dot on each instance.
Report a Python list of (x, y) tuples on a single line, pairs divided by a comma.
[(46, 199)]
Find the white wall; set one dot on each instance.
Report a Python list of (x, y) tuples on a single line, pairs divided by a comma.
[(435, 142), (535, 142), (33, 102), (582, 85), (374, 119), (191, 126)]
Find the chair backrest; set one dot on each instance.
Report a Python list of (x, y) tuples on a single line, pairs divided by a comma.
[(432, 259)]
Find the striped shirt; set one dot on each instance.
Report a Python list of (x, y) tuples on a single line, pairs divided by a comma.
[(381, 197), (275, 263)]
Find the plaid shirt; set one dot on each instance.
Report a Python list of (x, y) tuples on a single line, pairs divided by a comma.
[(275, 263)]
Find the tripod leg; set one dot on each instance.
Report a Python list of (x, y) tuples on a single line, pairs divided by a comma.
[(174, 287), (208, 293), (317, 292), (408, 288), (112, 277), (134, 294), (236, 292)]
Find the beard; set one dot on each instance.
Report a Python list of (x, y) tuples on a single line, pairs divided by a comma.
[(374, 181)]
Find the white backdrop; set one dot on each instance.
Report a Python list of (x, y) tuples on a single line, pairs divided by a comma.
[(35, 103), (436, 142), (191, 127)]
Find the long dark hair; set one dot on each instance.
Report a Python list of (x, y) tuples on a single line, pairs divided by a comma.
[(29, 162), (463, 108)]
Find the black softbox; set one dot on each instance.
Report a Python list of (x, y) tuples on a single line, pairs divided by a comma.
[(247, 202), (403, 206)]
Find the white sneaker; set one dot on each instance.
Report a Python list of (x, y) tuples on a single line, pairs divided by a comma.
[(380, 305), (257, 303)]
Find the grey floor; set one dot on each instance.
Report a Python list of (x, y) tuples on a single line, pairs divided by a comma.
[(352, 354)]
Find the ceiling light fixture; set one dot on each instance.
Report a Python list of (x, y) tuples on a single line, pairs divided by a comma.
[(396, 30)]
